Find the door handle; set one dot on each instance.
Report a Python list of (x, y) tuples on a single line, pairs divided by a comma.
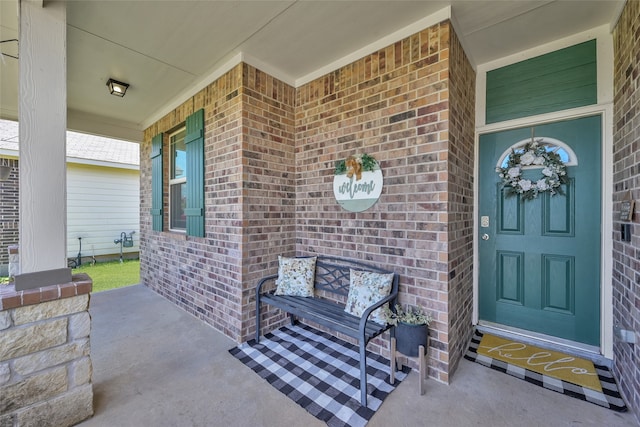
[(485, 236)]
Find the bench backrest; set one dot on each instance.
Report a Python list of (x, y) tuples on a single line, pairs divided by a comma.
[(332, 275)]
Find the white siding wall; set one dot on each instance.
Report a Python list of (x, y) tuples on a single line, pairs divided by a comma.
[(102, 202)]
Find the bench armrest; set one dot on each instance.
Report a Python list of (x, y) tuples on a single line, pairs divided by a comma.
[(263, 281), (370, 309)]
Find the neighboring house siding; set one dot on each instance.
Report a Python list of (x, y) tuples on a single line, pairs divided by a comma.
[(102, 202), (103, 187), (626, 180), (270, 155)]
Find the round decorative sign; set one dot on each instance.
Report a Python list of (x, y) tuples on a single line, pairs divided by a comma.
[(357, 184)]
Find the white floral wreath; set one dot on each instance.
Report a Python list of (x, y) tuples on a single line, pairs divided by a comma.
[(554, 172)]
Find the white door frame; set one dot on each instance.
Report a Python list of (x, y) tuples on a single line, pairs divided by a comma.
[(604, 107)]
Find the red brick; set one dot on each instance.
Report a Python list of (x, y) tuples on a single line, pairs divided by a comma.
[(31, 296), (83, 287), (10, 301), (49, 293), (67, 290)]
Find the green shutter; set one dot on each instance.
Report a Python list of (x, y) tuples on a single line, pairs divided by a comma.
[(566, 78), (194, 142), (156, 182)]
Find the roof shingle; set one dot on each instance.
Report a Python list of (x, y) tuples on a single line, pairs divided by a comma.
[(80, 145)]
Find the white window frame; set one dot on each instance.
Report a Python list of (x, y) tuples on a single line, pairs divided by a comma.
[(174, 181)]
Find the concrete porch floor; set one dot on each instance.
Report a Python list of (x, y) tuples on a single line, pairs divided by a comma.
[(155, 365)]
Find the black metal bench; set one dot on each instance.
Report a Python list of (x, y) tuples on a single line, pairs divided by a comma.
[(331, 285)]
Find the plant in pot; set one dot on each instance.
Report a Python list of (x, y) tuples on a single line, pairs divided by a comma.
[(411, 328)]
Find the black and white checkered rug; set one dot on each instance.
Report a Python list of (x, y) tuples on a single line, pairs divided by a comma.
[(609, 398), (320, 373)]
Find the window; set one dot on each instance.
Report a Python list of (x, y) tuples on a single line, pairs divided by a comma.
[(178, 181), (565, 152), (186, 178), (156, 212)]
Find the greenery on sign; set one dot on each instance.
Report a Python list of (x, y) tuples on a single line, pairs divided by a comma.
[(410, 315), (533, 154), (368, 164), (341, 167)]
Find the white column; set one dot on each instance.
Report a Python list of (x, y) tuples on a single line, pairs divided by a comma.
[(43, 123)]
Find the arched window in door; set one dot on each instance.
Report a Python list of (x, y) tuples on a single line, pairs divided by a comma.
[(567, 155)]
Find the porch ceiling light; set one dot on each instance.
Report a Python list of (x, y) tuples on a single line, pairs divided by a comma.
[(117, 88)]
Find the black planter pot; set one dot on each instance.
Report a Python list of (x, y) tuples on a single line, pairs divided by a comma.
[(410, 337)]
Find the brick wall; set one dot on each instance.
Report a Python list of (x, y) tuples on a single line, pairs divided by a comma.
[(626, 177), (460, 200), (395, 105), (268, 203), (248, 196), (270, 156), (9, 215), (201, 275)]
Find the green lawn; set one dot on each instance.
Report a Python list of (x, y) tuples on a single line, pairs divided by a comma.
[(107, 275), (111, 275)]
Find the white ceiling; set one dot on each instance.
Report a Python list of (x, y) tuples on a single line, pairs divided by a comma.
[(168, 49)]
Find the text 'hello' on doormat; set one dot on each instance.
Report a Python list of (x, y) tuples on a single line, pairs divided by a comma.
[(573, 376), (320, 373)]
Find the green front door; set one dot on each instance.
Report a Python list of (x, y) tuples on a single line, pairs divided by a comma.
[(539, 259)]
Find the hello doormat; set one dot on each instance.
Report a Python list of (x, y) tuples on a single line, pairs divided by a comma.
[(563, 373), (320, 373)]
